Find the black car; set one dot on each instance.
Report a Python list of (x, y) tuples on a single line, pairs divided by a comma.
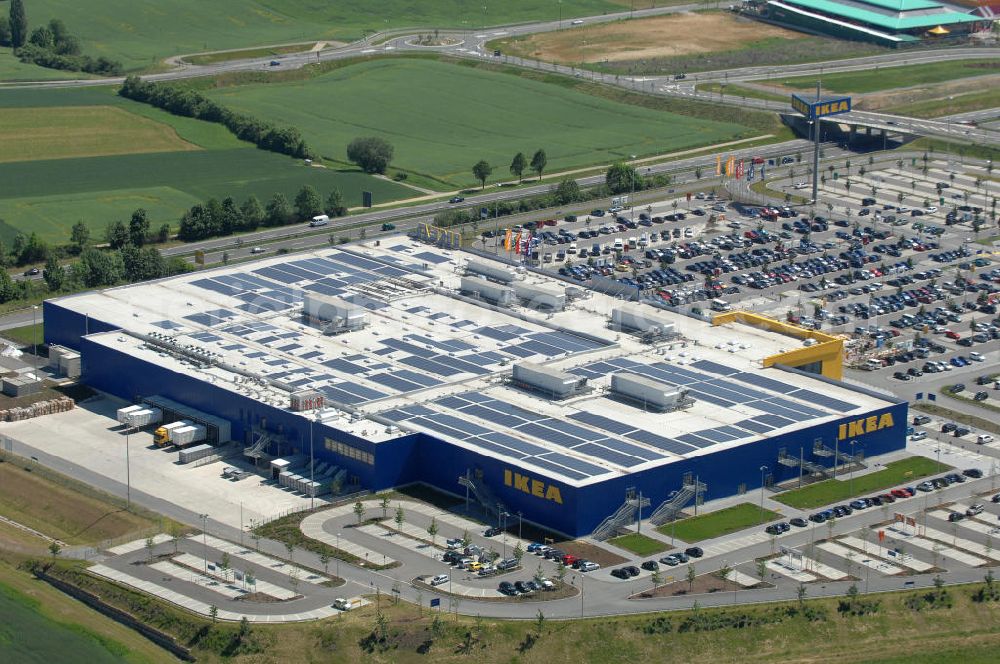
[(632, 570), (522, 587), (456, 199), (956, 516), (798, 522), (507, 588), (492, 531), (948, 427), (31, 272), (651, 565), (974, 473), (817, 518), (694, 552), (621, 573)]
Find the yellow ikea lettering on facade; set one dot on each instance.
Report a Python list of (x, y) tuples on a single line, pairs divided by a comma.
[(536, 488), (865, 425)]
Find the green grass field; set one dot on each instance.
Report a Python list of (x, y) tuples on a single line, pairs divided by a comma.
[(639, 544), (873, 80), (740, 91), (905, 471), (442, 118), (958, 103), (25, 335), (141, 32), (48, 196), (715, 524)]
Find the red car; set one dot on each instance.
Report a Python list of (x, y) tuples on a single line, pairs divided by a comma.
[(900, 493), (569, 559), (952, 335)]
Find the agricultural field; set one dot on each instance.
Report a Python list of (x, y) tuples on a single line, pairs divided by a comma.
[(679, 43), (12, 69), (442, 118), (74, 173), (139, 33), (81, 131)]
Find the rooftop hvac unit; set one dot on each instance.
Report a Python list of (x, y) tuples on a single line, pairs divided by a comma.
[(552, 382), (495, 272), (650, 394), (641, 319), (488, 291), (339, 312), (540, 297)]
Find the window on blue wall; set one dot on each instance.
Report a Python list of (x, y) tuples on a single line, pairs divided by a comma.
[(350, 451)]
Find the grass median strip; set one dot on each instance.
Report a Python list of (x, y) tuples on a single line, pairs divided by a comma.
[(715, 524), (828, 492)]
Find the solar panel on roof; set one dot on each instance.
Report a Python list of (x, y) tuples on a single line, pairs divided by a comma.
[(715, 435), (574, 463), (421, 379), (429, 423), (460, 424), (494, 333), (490, 415), (629, 449), (714, 367), (574, 430), (704, 396), (518, 351), (604, 454), (548, 435), (692, 439), (605, 423), (756, 427), (777, 421), (425, 364), (764, 381), (452, 402), (660, 442), (394, 382), (824, 400), (515, 443), (538, 348), (802, 408), (431, 257), (562, 470)]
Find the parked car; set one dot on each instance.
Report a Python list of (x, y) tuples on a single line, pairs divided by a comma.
[(694, 552), (670, 559), (439, 579), (651, 565), (492, 531)]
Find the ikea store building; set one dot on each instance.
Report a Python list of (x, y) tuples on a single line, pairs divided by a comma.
[(396, 362)]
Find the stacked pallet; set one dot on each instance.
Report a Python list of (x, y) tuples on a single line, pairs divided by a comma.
[(60, 405)]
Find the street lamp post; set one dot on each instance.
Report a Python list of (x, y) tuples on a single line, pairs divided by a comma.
[(338, 557), (853, 463), (34, 334), (204, 537), (128, 473), (520, 518), (763, 469)]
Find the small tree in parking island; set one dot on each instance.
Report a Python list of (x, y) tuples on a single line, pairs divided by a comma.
[(384, 504), (432, 530), (481, 171), (518, 553), (359, 511), (372, 154), (691, 576), (399, 517)]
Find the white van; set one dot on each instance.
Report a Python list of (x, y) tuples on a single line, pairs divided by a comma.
[(720, 305), (572, 247), (319, 220), (619, 244), (439, 579)]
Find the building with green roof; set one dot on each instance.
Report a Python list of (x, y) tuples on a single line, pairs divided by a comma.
[(886, 22)]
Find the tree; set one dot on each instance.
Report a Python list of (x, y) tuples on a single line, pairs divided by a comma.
[(42, 38), (466, 539), (691, 576), (7, 288), (384, 504), (359, 511), (399, 517), (724, 571), (432, 530), (697, 173), (4, 31), (482, 170), (566, 192), (538, 162), (518, 165), (621, 177), (225, 564), (801, 594), (116, 235), (290, 550), (253, 213), (372, 154), (518, 553), (54, 275), (278, 212), (539, 622), (175, 534), (54, 549), (324, 560), (308, 203), (79, 236), (657, 578), (560, 571), (138, 228), (163, 235), (18, 24), (213, 612), (761, 569), (335, 204)]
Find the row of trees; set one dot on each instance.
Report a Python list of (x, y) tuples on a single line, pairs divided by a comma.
[(50, 45), (482, 170), (215, 218), (188, 103)]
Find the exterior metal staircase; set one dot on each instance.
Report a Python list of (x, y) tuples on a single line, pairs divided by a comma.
[(484, 496), (678, 500), (623, 516)]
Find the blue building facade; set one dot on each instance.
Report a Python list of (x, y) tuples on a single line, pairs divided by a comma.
[(421, 457)]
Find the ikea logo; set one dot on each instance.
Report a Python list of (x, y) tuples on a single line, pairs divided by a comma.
[(536, 488), (833, 107), (865, 425), (801, 105)]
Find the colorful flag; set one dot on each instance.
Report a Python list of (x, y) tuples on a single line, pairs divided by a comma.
[(507, 240)]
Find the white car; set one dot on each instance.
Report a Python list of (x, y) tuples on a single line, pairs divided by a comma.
[(439, 579), (976, 357), (616, 209), (589, 567), (801, 185), (930, 210), (578, 21), (257, 250)]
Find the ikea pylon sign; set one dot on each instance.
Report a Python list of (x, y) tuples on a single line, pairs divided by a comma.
[(813, 109)]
